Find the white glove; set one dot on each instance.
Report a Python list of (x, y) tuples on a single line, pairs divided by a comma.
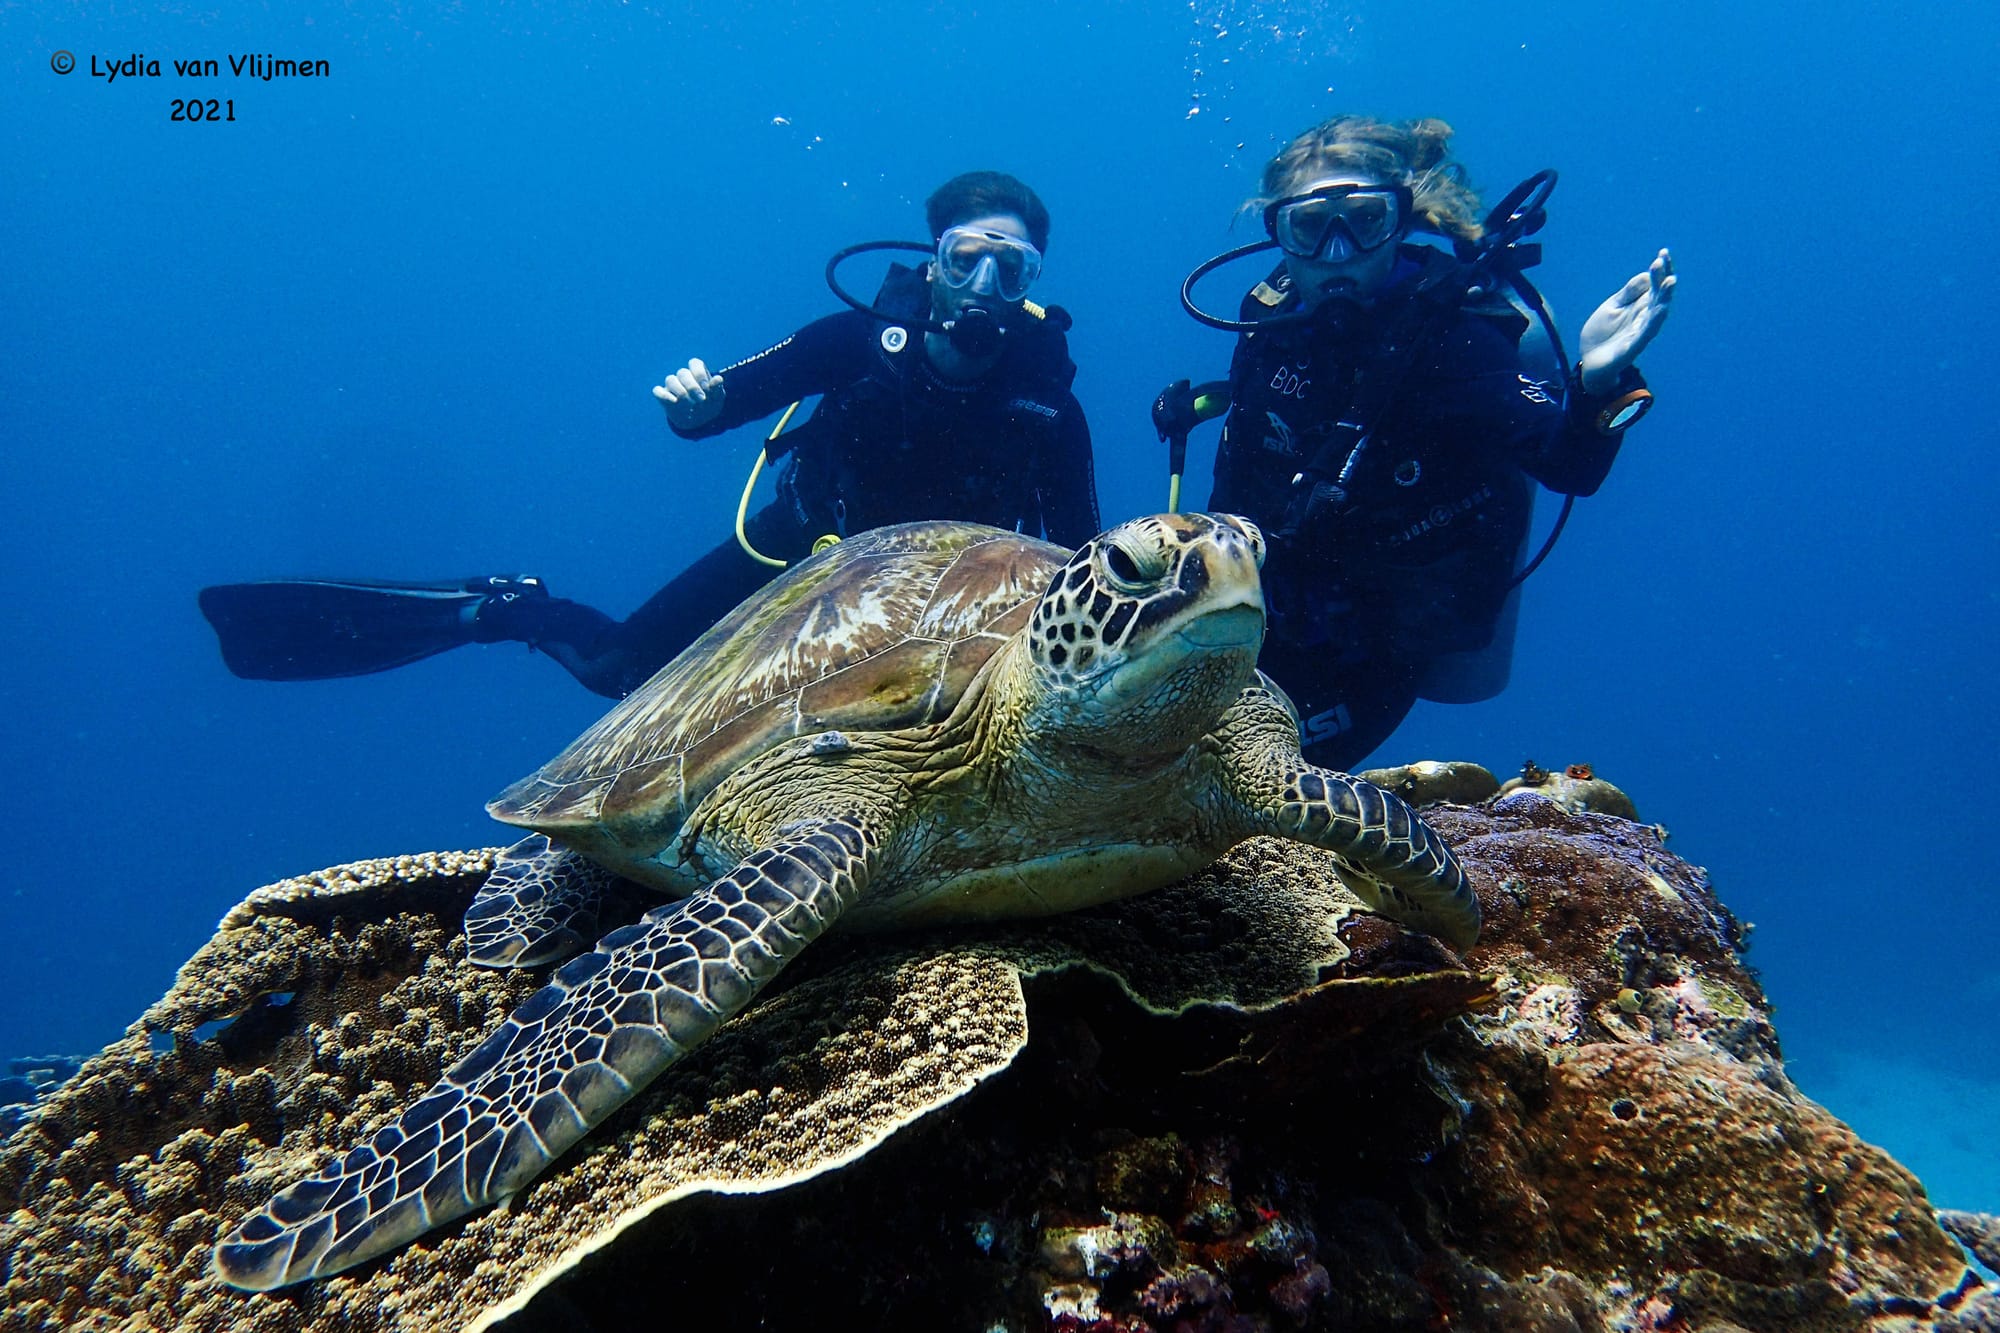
[(1619, 330), (691, 395)]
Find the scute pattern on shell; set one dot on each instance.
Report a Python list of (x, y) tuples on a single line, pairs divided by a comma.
[(882, 631)]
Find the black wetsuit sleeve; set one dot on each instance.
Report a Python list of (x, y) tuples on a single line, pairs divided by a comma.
[(1068, 484), (1580, 454), (822, 356), (1494, 396)]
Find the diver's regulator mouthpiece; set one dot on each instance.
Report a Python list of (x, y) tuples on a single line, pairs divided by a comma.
[(976, 332)]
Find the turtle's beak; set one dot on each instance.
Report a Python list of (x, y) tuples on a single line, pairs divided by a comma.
[(1239, 626)]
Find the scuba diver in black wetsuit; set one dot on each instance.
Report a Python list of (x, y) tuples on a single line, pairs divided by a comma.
[(948, 398), (1384, 422)]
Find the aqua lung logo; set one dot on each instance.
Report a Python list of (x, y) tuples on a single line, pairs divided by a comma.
[(1441, 516), (894, 339)]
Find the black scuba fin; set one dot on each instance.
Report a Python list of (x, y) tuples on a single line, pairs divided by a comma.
[(314, 629)]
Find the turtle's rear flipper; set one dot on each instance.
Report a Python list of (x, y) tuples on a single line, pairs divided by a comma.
[(604, 1027), (539, 904)]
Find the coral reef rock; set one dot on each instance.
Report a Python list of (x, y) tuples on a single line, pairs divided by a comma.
[(1575, 789), (28, 1081), (1238, 1103), (1429, 780), (1979, 1232)]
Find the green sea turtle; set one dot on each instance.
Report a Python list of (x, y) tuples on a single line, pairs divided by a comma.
[(927, 723)]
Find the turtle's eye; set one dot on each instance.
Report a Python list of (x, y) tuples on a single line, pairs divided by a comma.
[(1124, 569)]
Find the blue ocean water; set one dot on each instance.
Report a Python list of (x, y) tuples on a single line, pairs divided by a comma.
[(402, 321)]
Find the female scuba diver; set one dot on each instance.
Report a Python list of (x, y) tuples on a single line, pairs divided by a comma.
[(1384, 421), (948, 397)]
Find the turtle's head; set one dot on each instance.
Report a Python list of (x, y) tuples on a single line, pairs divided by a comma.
[(1151, 630)]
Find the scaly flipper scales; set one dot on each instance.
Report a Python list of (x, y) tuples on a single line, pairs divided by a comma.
[(1394, 862), (539, 904), (605, 1026)]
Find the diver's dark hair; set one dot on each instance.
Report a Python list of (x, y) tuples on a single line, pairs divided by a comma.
[(983, 193), (1412, 152)]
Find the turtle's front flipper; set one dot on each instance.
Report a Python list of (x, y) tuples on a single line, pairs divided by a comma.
[(1385, 852), (603, 1028), (539, 904)]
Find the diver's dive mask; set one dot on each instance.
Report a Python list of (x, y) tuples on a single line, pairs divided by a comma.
[(993, 266), (990, 263), (1335, 222)]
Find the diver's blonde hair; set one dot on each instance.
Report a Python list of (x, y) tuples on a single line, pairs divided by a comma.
[(1412, 152)]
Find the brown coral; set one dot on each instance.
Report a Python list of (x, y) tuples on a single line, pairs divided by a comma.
[(1238, 1102), (347, 991), (1661, 1161)]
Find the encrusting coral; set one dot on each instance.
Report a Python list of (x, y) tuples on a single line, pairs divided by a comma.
[(1978, 1232), (1576, 789), (343, 992), (1238, 1102)]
